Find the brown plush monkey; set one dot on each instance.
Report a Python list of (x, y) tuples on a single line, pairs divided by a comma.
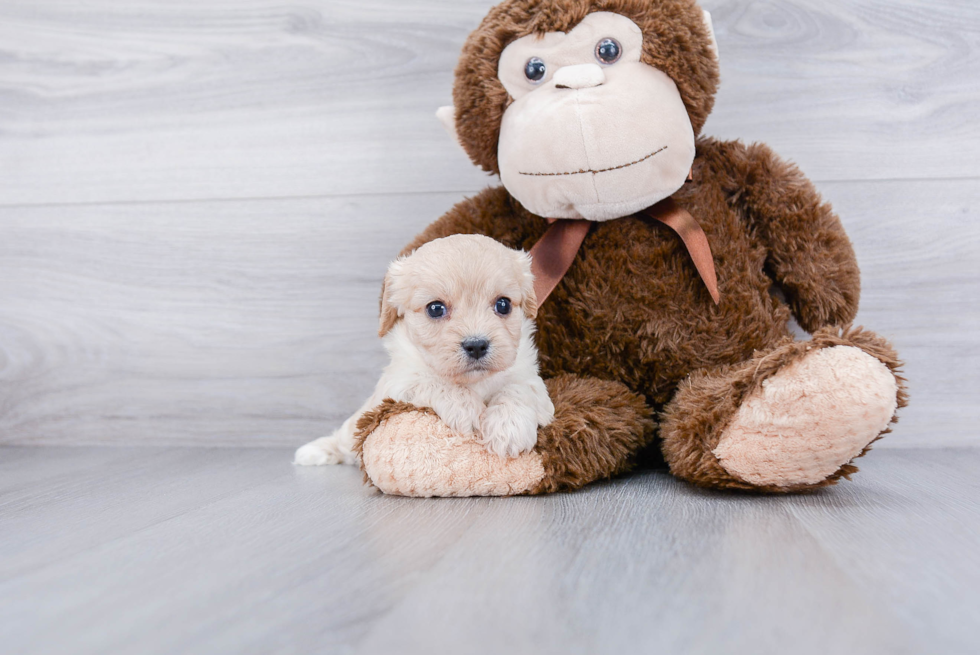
[(592, 109)]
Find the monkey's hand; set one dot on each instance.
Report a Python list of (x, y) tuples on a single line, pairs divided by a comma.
[(810, 256)]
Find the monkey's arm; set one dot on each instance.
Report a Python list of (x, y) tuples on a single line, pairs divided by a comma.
[(492, 213), (809, 253)]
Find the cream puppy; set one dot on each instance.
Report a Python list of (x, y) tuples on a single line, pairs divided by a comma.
[(456, 319)]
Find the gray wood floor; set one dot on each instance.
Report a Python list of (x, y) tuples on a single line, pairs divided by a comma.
[(180, 550)]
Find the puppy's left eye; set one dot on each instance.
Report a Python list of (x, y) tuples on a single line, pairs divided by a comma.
[(435, 309), (502, 306)]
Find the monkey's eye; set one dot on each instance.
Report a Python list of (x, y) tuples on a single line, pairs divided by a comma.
[(608, 51), (502, 306), (435, 309), (534, 69)]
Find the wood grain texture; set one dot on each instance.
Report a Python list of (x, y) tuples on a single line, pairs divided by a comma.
[(853, 89), (254, 322), (197, 204), (176, 100), (198, 199), (156, 556), (225, 322)]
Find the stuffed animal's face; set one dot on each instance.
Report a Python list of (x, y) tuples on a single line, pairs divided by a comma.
[(586, 109), (593, 132)]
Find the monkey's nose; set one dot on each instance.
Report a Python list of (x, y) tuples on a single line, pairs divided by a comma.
[(580, 76), (475, 347)]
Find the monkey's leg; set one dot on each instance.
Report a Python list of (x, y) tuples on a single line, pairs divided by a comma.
[(789, 419), (598, 428)]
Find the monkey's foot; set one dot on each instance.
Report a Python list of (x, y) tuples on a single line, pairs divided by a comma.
[(804, 423), (789, 419)]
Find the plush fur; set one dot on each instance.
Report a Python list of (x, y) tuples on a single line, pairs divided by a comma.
[(677, 42), (416, 454), (597, 430), (632, 308), (693, 423), (570, 144), (630, 337)]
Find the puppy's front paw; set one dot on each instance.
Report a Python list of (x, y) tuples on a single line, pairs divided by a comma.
[(323, 451), (507, 431), (461, 415)]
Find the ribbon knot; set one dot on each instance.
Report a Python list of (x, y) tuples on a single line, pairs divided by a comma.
[(553, 254)]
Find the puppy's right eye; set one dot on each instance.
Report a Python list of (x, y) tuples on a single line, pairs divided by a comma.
[(435, 309)]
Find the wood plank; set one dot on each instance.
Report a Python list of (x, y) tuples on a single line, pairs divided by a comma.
[(225, 99), (918, 244), (58, 517), (621, 567), (194, 323), (925, 505), (308, 559), (316, 538), (21, 468), (185, 100), (852, 89), (254, 322)]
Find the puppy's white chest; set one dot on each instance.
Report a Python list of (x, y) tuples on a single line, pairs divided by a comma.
[(489, 388)]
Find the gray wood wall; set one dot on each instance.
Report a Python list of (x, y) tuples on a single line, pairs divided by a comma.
[(198, 199)]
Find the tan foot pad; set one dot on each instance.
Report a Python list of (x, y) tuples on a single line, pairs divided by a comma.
[(809, 419), (413, 453)]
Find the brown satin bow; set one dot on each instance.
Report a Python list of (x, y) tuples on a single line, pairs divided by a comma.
[(552, 255)]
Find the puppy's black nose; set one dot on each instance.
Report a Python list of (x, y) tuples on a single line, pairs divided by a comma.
[(476, 347)]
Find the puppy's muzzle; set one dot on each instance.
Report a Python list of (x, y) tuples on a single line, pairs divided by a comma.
[(475, 347)]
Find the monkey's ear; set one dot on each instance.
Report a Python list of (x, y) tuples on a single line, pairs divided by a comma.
[(529, 301), (389, 308), (447, 116), (711, 31)]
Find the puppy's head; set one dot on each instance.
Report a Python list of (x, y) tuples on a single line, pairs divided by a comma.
[(463, 300)]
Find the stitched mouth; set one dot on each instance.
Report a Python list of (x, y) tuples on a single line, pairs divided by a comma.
[(601, 170)]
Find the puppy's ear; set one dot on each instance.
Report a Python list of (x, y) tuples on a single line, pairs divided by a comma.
[(389, 306), (529, 302)]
